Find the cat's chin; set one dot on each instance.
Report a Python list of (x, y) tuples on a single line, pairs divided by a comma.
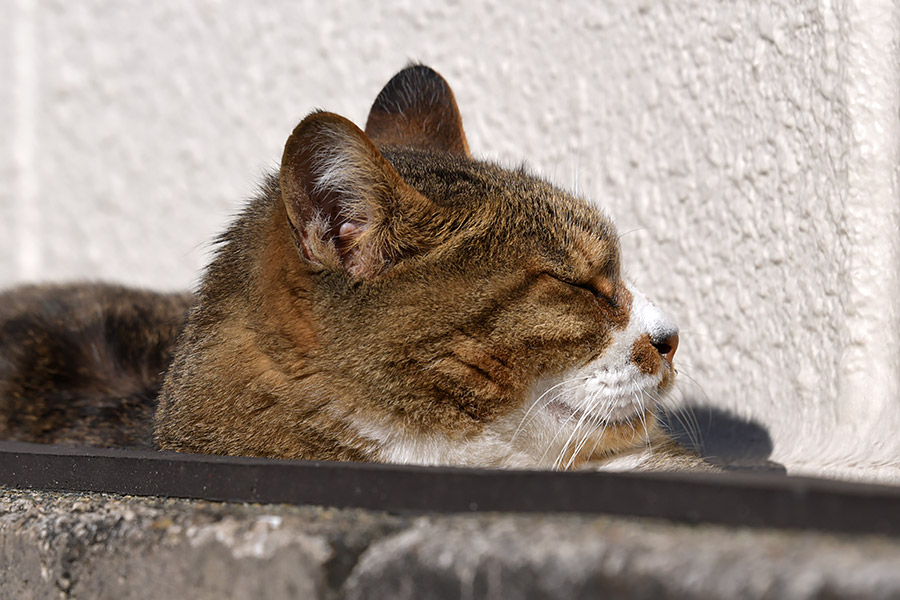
[(581, 438), (620, 414), (592, 418), (602, 398)]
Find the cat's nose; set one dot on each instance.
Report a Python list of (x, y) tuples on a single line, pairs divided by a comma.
[(666, 344)]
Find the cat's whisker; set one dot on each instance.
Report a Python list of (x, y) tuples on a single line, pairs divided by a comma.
[(685, 416), (599, 423), (682, 375), (575, 175), (591, 427), (692, 427), (694, 430), (525, 418), (637, 401), (642, 414), (604, 419), (597, 429), (523, 423), (629, 232), (557, 463), (582, 406), (631, 421)]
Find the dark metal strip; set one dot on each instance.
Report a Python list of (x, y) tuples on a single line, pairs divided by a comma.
[(747, 499)]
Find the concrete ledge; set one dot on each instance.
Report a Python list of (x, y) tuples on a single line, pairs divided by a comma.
[(101, 546), (104, 546)]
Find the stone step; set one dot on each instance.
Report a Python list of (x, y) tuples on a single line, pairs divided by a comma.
[(103, 546)]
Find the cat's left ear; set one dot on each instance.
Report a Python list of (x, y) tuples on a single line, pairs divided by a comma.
[(345, 201), (417, 109)]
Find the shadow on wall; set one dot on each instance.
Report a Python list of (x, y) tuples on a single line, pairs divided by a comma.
[(720, 437)]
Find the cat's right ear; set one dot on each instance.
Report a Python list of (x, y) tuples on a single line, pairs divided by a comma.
[(417, 109), (342, 198)]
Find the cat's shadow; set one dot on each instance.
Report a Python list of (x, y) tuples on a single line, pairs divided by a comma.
[(721, 437)]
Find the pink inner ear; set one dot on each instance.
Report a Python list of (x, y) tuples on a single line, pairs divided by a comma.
[(352, 255), (349, 232)]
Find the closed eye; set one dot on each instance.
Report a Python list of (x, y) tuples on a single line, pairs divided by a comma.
[(592, 289), (610, 299)]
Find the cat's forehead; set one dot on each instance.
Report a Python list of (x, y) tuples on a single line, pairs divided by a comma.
[(513, 206), (581, 241)]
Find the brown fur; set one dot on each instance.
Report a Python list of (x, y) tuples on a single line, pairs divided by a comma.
[(83, 363)]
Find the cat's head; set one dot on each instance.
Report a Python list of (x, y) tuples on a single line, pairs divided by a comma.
[(416, 305), (472, 299)]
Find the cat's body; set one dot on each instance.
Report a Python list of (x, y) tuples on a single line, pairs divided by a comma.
[(83, 364), (388, 298)]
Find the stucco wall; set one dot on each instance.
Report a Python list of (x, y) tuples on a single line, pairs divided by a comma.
[(748, 151)]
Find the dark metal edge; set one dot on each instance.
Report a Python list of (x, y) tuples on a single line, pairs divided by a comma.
[(742, 499)]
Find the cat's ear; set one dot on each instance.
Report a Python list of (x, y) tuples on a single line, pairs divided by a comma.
[(416, 109), (342, 197)]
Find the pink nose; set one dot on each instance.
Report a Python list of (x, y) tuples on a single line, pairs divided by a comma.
[(667, 347)]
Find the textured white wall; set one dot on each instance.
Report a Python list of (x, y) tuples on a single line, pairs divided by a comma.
[(748, 150)]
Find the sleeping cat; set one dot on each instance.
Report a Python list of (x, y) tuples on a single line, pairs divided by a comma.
[(389, 298)]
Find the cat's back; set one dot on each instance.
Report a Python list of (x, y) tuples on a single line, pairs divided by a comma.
[(82, 363)]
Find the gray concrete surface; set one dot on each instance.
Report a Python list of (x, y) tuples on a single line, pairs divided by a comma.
[(99, 546)]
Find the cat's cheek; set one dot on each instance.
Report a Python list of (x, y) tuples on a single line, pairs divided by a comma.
[(622, 387)]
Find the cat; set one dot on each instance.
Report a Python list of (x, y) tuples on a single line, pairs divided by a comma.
[(388, 298)]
